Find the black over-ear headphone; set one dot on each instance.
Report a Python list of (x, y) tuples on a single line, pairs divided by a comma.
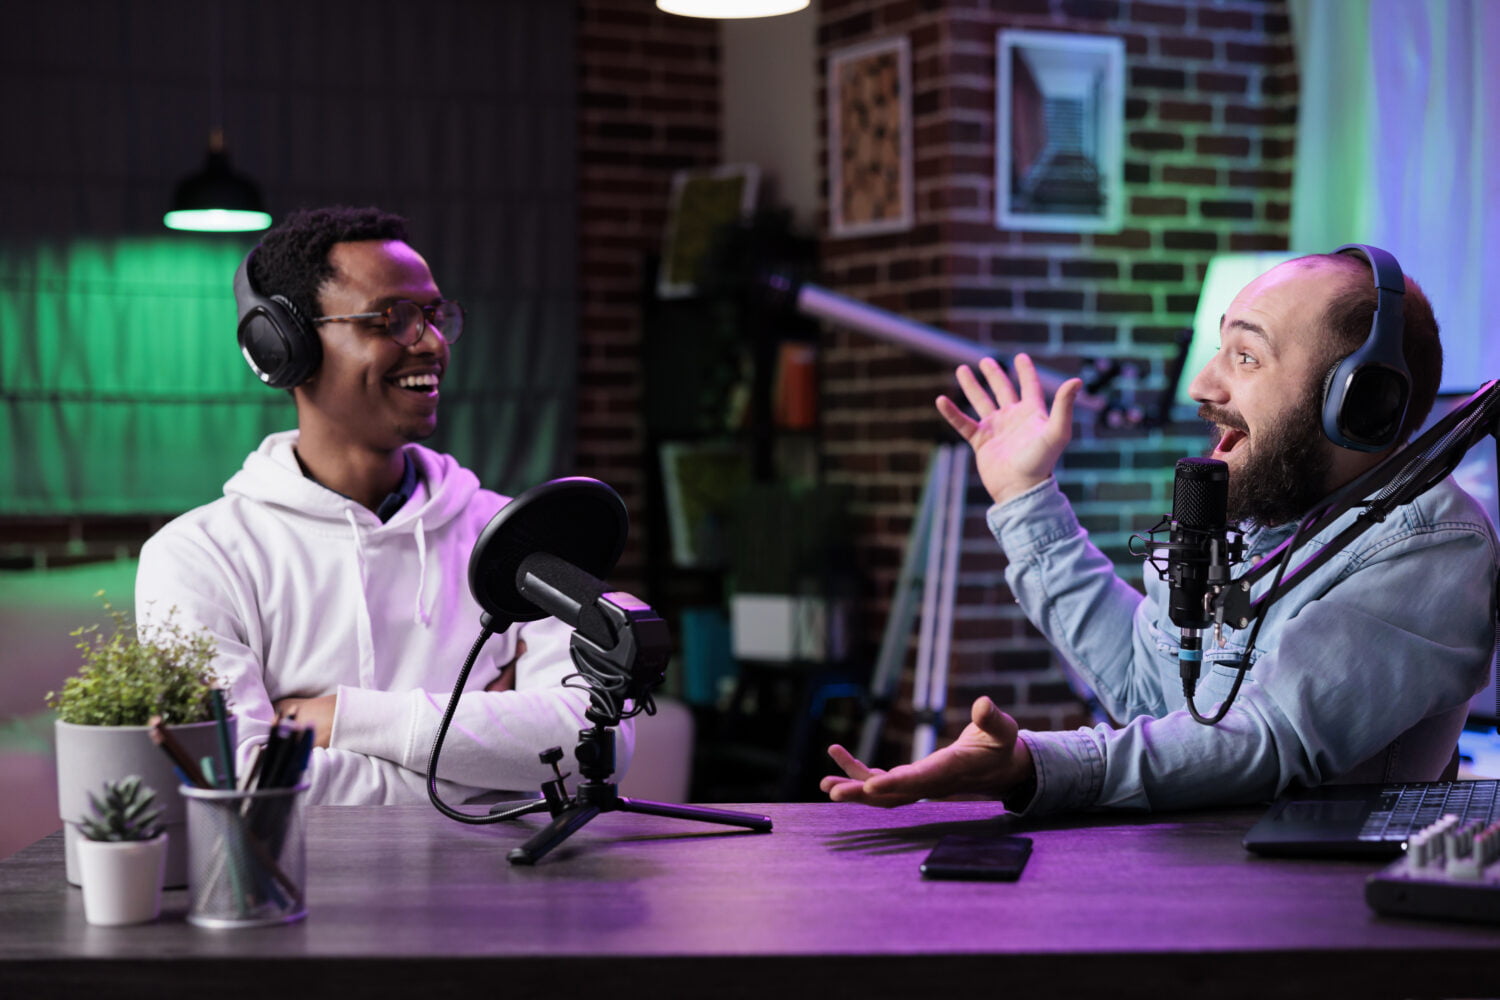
[(281, 347), (1365, 395)]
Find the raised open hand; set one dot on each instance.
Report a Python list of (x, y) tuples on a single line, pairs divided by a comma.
[(1016, 438)]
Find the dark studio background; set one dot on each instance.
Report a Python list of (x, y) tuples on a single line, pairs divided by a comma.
[(533, 145)]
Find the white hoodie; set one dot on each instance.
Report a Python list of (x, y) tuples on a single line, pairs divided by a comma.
[(308, 594)]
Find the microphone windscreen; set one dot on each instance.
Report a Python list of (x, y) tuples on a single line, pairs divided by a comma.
[(581, 521), (1200, 494)]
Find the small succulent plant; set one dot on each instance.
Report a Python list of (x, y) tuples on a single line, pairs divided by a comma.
[(126, 811)]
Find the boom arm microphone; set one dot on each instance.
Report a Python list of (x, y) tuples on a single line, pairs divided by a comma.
[(1199, 552), (1200, 503)]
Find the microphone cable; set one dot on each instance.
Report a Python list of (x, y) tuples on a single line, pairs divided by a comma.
[(437, 744), (609, 687), (1189, 685)]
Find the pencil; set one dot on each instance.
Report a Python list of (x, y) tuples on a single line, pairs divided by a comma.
[(163, 738)]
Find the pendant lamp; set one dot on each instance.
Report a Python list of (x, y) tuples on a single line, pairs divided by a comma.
[(731, 8), (216, 199)]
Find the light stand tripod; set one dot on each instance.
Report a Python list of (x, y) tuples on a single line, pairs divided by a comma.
[(540, 556), (933, 546)]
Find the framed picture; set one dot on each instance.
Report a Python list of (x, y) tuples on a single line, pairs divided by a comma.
[(869, 138), (1060, 108), (702, 202)]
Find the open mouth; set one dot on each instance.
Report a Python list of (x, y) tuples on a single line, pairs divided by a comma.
[(1229, 439)]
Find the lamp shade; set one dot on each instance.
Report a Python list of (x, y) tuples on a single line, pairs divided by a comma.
[(216, 199), (730, 8)]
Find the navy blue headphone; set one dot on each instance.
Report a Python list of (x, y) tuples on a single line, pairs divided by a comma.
[(1365, 394), (281, 347)]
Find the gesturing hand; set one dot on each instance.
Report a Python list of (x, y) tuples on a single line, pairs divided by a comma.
[(986, 759), (1016, 439)]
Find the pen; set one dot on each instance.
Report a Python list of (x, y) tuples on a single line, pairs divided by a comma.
[(270, 757), (221, 726), (252, 773)]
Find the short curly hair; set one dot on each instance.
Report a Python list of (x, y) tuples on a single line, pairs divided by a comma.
[(292, 258)]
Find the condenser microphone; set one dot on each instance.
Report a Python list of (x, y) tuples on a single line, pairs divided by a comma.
[(544, 554), (1200, 504), (1197, 555)]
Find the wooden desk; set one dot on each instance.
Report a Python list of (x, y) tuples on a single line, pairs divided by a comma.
[(406, 903)]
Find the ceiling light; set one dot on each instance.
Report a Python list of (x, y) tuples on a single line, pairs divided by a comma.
[(730, 8), (216, 199)]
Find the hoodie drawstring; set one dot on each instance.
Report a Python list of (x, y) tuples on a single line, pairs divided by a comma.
[(365, 630), (420, 613)]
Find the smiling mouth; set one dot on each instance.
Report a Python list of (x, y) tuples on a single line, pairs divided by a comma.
[(425, 383)]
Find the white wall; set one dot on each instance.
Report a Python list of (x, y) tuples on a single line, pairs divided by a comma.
[(770, 114)]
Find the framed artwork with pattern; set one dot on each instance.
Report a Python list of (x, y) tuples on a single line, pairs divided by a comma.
[(869, 138)]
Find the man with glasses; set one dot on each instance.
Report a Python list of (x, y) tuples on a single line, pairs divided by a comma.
[(333, 571)]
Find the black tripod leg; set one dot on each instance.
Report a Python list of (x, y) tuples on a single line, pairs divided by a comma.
[(563, 825), (724, 816)]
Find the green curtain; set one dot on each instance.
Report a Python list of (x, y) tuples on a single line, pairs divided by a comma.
[(122, 388)]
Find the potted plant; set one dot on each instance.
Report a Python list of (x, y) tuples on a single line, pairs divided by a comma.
[(103, 724), (122, 854)]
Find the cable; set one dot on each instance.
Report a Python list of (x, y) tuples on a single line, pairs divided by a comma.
[(437, 743), (1243, 667), (608, 687)]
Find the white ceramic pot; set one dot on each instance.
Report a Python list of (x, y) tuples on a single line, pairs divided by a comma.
[(122, 879), (88, 756)]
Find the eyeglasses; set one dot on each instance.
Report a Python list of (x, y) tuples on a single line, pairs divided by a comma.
[(405, 321)]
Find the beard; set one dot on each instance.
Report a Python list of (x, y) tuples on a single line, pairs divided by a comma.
[(1285, 471)]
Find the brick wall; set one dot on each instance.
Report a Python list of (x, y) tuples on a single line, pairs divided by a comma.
[(648, 105), (1210, 109)]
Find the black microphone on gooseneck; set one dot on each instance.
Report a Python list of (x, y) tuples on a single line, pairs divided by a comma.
[(1198, 554)]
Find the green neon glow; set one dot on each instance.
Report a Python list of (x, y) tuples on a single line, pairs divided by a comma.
[(216, 220), (121, 387)]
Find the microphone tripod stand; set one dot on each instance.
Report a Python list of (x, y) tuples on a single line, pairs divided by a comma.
[(539, 556), (597, 794)]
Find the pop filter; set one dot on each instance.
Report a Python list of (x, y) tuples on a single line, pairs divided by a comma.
[(579, 520)]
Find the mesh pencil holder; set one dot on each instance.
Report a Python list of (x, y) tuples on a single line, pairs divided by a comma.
[(247, 856)]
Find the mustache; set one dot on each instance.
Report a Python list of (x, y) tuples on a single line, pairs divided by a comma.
[(1224, 418)]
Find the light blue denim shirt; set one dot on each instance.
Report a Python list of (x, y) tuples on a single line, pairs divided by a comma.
[(1362, 672)]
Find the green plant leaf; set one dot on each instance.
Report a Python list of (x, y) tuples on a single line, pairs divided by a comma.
[(129, 676)]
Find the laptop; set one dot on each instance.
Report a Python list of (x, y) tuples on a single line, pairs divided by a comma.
[(1371, 821)]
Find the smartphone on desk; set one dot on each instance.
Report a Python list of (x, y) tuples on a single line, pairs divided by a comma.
[(978, 856)]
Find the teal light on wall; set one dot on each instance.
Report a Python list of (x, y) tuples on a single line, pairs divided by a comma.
[(216, 199), (122, 390)]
